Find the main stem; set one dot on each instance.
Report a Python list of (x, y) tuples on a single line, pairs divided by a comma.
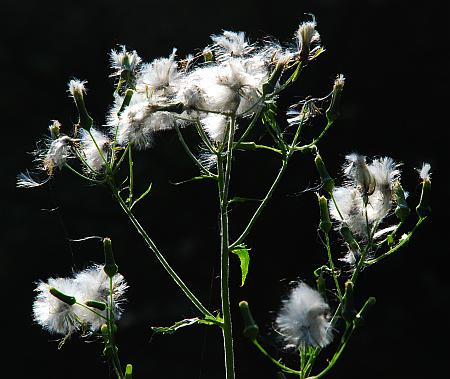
[(223, 182)]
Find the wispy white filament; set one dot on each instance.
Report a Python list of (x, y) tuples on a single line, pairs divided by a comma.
[(302, 320)]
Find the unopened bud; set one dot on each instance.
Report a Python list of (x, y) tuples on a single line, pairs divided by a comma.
[(271, 83), (348, 237), (126, 100), (360, 318), (332, 112), (424, 207), (325, 222), (70, 300), (208, 55), (251, 330), (348, 309), (402, 210), (96, 304), (110, 265), (128, 371), (327, 180)]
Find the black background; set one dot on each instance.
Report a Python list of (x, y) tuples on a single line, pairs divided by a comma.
[(392, 54)]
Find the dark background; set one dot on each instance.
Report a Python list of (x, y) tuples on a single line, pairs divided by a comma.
[(392, 54)]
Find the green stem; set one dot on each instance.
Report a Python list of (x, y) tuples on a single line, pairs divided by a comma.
[(112, 338), (273, 360), (333, 270), (190, 154), (83, 176), (158, 254), (223, 183), (347, 334), (131, 177), (398, 246), (261, 206), (249, 127)]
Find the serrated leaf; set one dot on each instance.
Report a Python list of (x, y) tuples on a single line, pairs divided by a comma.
[(242, 252), (179, 324), (208, 320)]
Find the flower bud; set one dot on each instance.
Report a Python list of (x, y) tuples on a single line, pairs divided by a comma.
[(126, 100), (360, 318), (402, 210), (327, 180), (101, 306), (424, 207), (332, 112), (251, 330), (321, 284), (325, 222), (70, 300), (348, 309), (208, 55), (128, 371), (348, 237), (110, 265), (275, 76)]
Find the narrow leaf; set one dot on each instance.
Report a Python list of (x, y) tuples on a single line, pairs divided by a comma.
[(142, 196), (242, 252), (238, 199)]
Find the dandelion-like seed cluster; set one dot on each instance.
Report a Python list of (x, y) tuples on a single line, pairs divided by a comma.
[(92, 284), (303, 319)]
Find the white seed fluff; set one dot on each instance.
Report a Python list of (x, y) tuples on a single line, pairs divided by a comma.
[(302, 320), (96, 152)]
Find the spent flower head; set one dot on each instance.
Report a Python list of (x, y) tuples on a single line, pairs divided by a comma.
[(303, 319)]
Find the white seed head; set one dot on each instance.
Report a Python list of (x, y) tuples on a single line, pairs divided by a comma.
[(339, 83), (51, 313), (95, 153), (302, 320), (424, 172), (305, 36), (158, 75), (77, 87), (93, 284), (230, 44), (124, 60)]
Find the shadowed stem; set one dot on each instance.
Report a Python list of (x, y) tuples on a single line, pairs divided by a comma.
[(223, 184)]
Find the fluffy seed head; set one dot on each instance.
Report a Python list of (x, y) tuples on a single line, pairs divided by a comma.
[(90, 149), (302, 320), (424, 172), (230, 44), (51, 313), (77, 87)]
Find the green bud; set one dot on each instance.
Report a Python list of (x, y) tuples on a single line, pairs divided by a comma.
[(325, 222), (105, 332), (208, 55), (126, 100), (85, 121), (332, 112), (70, 300), (327, 180), (348, 237), (245, 146), (321, 283), (269, 86), (251, 330), (128, 371), (348, 309), (424, 207), (360, 318), (402, 210), (101, 306), (110, 265)]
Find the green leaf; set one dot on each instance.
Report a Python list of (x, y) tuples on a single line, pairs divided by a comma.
[(179, 324), (147, 191), (238, 199), (208, 320), (242, 252), (195, 178)]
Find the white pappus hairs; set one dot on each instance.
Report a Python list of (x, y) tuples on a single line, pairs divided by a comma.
[(92, 284), (303, 319)]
